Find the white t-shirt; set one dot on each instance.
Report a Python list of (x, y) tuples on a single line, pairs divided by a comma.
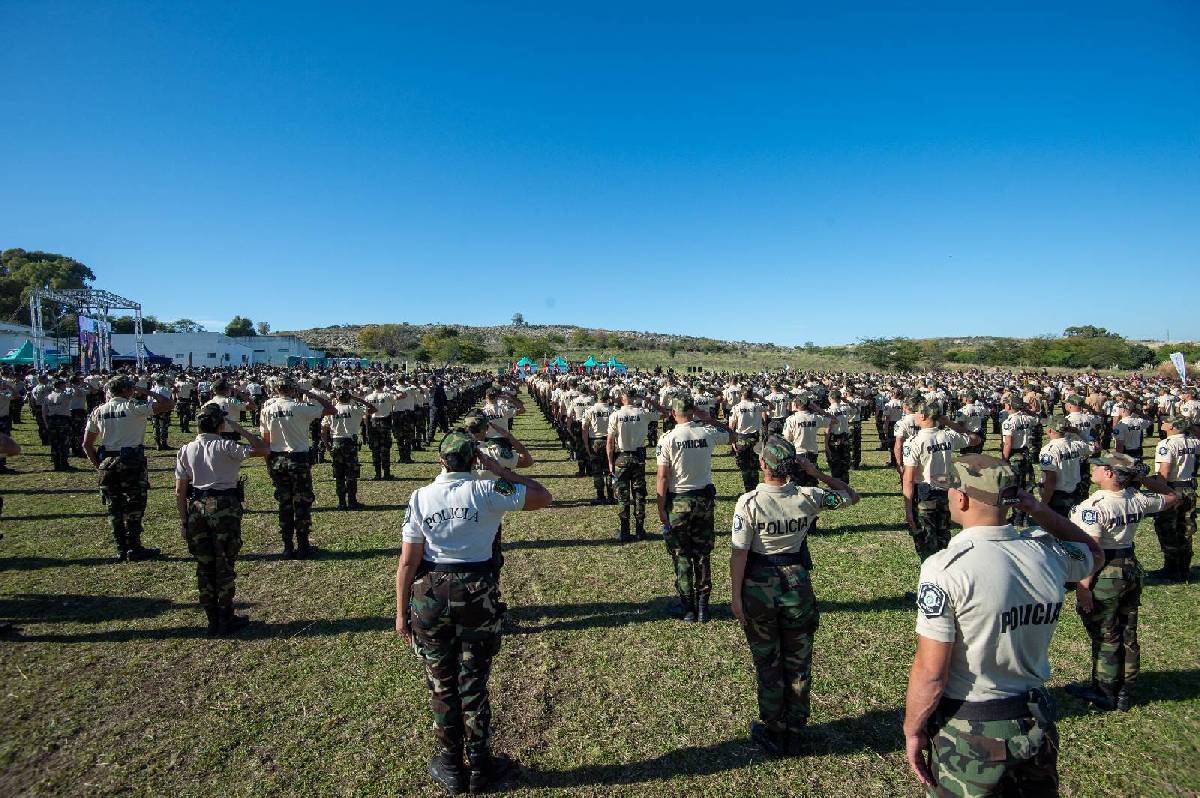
[(457, 516)]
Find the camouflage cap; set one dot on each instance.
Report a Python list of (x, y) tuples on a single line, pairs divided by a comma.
[(1119, 462), (1058, 423), (930, 409), (457, 443), (980, 476), (777, 452), (1179, 423), (118, 385), (476, 421), (1074, 399), (683, 403)]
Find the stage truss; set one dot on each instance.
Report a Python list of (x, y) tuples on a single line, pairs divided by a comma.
[(85, 302)]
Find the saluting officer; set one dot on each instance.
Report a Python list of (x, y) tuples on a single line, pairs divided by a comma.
[(686, 500), (341, 433), (987, 607), (595, 439), (185, 397), (1017, 433), (286, 422), (1108, 600), (1061, 460), (119, 428), (1175, 461), (448, 602), (628, 428), (56, 410), (208, 496), (747, 418), (772, 593), (927, 458), (379, 428)]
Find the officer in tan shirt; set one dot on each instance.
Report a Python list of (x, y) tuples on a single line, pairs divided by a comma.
[(772, 592), (628, 428), (687, 499), (1175, 461)]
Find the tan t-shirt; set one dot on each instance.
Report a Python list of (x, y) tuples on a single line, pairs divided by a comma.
[(688, 449), (931, 452), (1179, 453), (119, 423), (801, 429), (995, 594), (1111, 517), (745, 417), (287, 422), (596, 418), (775, 519), (630, 424), (1065, 457), (211, 462), (346, 421)]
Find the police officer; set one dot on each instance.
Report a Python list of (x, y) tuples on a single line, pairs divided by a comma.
[(37, 404), (448, 604), (10, 401), (341, 438), (778, 403), (185, 401), (747, 418), (118, 427), (988, 605), (162, 421), (1061, 461), (1108, 600), (1175, 461), (1130, 431), (404, 419), (595, 439), (285, 427), (1017, 434), (772, 593), (801, 430), (56, 410), (379, 429), (232, 402), (686, 500), (628, 429), (973, 416), (927, 458), (209, 496)]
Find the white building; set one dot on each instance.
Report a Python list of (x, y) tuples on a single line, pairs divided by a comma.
[(13, 335), (211, 350)]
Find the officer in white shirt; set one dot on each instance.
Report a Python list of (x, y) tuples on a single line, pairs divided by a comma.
[(988, 605)]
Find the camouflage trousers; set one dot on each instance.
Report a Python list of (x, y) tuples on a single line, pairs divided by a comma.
[(856, 446), (125, 498), (1112, 625), (455, 619), (597, 455), (630, 472), (781, 619), (1176, 527), (380, 442), (291, 474), (214, 538), (932, 511), (6, 425), (1022, 465), (187, 414), (78, 424), (887, 438), (689, 538), (346, 469), (747, 460), (575, 434), (162, 428), (402, 432), (58, 430), (977, 758), (40, 420), (839, 457)]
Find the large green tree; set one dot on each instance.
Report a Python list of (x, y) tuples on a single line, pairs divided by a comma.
[(21, 272), (239, 327)]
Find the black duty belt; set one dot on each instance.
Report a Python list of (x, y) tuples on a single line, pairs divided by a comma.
[(1117, 554), (487, 566), (302, 456), (792, 558), (640, 451), (124, 451), (707, 490), (204, 493), (1184, 483), (996, 709)]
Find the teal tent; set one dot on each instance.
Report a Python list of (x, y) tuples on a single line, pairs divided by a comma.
[(24, 355), (617, 365), (590, 363), (525, 362)]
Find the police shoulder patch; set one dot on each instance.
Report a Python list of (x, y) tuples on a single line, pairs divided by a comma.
[(1162, 449), (931, 600), (504, 487), (738, 523), (907, 450), (1088, 516), (1047, 459)]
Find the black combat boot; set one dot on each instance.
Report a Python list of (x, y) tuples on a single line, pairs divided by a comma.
[(1091, 694), (702, 609), (640, 528), (341, 494), (768, 740), (1124, 699), (378, 471), (387, 472), (625, 536), (305, 549), (609, 492), (118, 530), (136, 551), (1166, 574), (232, 623), (214, 621), (485, 769), (352, 498), (599, 498), (688, 606), (446, 769), (289, 550)]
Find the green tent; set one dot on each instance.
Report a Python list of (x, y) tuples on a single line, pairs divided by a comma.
[(25, 355)]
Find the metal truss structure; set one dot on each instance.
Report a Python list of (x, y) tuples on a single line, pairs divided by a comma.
[(85, 302)]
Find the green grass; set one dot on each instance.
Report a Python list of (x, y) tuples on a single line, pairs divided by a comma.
[(114, 689)]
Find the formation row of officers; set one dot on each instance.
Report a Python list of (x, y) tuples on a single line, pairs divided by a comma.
[(988, 600)]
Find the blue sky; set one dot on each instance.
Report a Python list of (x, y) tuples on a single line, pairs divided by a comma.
[(785, 173)]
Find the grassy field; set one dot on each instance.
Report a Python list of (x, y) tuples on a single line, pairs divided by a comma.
[(113, 687)]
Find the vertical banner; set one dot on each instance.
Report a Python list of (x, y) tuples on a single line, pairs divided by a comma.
[(89, 345), (1180, 366)]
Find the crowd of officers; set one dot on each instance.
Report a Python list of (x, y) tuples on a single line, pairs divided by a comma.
[(988, 599)]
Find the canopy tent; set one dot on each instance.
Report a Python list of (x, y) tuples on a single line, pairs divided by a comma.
[(150, 359), (590, 363), (617, 365), (25, 355), (526, 363)]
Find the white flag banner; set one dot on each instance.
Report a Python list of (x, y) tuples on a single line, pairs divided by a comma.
[(1180, 365)]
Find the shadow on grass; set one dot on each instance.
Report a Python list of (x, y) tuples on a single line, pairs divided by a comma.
[(37, 563), (1152, 686), (53, 516), (46, 491), (76, 608), (325, 554), (517, 545)]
